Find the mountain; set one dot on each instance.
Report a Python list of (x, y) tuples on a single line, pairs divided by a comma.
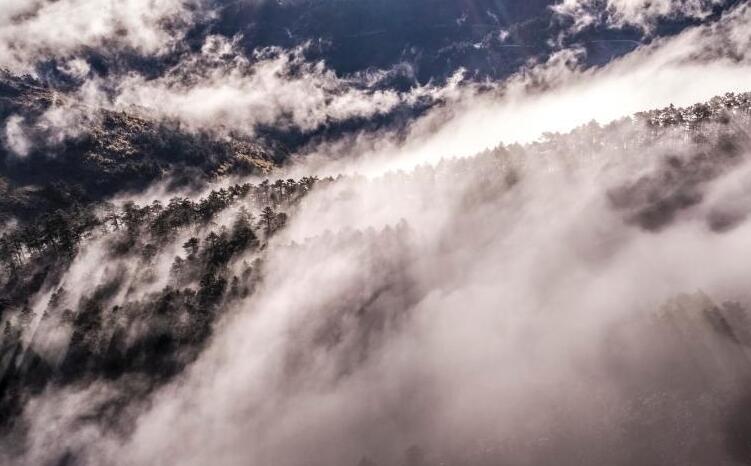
[(105, 153), (375, 232), (163, 275)]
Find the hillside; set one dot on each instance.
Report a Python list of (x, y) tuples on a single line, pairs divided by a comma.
[(126, 296), (57, 164)]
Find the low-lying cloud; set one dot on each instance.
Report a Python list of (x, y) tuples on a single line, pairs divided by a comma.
[(461, 313), (525, 305), (639, 14), (559, 95), (221, 88), (36, 30)]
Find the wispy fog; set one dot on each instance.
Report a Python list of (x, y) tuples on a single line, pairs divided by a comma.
[(514, 305), (473, 289)]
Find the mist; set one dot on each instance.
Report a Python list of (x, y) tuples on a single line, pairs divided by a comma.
[(528, 273), (522, 305)]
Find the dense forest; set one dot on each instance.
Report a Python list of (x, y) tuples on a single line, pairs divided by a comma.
[(173, 322)]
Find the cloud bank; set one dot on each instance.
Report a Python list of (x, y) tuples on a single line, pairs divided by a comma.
[(36, 30), (526, 305), (559, 95), (639, 14), (221, 87), (465, 313)]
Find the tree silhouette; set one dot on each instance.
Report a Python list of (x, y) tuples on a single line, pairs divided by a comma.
[(268, 217)]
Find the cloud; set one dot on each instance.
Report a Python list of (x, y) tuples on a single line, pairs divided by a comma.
[(15, 136), (36, 30), (559, 95), (63, 119), (476, 328), (640, 14), (219, 88), (77, 68), (467, 310)]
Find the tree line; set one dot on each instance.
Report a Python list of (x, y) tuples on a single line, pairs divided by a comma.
[(61, 231)]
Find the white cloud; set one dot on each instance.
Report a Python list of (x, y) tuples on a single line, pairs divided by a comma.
[(494, 315), (15, 136), (77, 68), (498, 313), (559, 96), (63, 119), (642, 14), (34, 30), (220, 88)]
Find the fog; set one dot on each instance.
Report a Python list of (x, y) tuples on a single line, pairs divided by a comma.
[(487, 325), (460, 299), (558, 96), (34, 30), (637, 13), (508, 307)]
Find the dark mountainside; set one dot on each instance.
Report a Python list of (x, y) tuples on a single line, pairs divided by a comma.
[(417, 42), (216, 244), (116, 153)]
